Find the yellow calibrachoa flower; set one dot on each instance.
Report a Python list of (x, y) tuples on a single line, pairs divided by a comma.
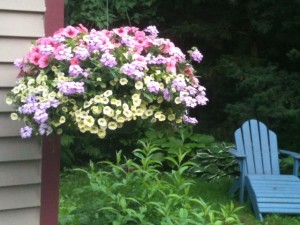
[(125, 106), (137, 102), (94, 130), (62, 119), (64, 99), (160, 99), (104, 100), (52, 94), (107, 93), (101, 133), (162, 117), (97, 99), (107, 110), (96, 110), (149, 112), (171, 117), (112, 125), (72, 101), (14, 116), (179, 120), (140, 112), (64, 109), (139, 85), (89, 121), (123, 81), (120, 119), (9, 101), (136, 96), (127, 113), (102, 122), (177, 100), (157, 114), (87, 104)]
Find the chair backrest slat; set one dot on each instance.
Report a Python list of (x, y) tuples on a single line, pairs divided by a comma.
[(260, 146), (264, 142), (256, 147), (274, 152)]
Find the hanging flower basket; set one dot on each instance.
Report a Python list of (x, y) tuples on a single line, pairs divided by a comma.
[(97, 80)]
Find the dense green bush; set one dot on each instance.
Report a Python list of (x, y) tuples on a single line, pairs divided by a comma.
[(136, 192)]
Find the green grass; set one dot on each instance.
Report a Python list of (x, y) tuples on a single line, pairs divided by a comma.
[(211, 192)]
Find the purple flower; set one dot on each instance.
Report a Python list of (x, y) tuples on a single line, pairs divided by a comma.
[(19, 63), (153, 87), (167, 95), (46, 49), (108, 59), (75, 70), (69, 88), (190, 120), (54, 103), (28, 108), (31, 99), (26, 132), (45, 129), (134, 70), (201, 99), (152, 30), (63, 52), (196, 55), (179, 84), (40, 116), (81, 52), (156, 59)]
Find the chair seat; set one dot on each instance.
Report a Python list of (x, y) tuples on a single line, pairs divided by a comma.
[(273, 193)]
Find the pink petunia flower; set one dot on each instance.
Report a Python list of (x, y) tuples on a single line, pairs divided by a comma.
[(70, 32), (43, 61)]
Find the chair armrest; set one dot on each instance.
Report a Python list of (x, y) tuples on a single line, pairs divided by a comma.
[(236, 153), (289, 153)]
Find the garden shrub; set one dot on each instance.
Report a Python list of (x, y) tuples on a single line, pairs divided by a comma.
[(214, 162), (136, 192)]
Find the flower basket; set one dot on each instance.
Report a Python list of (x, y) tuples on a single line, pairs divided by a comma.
[(98, 80)]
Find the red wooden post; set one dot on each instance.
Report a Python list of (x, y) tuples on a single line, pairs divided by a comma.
[(54, 19), (50, 180)]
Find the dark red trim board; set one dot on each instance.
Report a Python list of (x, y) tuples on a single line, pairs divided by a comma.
[(54, 19), (50, 180)]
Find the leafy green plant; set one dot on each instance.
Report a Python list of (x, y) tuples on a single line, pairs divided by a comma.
[(134, 191), (179, 143), (214, 162)]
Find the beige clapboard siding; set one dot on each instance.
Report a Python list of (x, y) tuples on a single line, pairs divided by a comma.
[(13, 48), (27, 216), (21, 22), (9, 128), (18, 197), (20, 173), (3, 106), (23, 5), (8, 74), (16, 149), (17, 24)]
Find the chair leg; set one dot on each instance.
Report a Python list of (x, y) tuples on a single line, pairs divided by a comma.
[(296, 167), (235, 187)]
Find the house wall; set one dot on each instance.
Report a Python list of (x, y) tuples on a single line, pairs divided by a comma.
[(20, 160)]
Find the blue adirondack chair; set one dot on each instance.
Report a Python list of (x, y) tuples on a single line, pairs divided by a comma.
[(257, 156)]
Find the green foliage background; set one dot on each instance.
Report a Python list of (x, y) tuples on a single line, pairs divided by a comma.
[(251, 54)]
